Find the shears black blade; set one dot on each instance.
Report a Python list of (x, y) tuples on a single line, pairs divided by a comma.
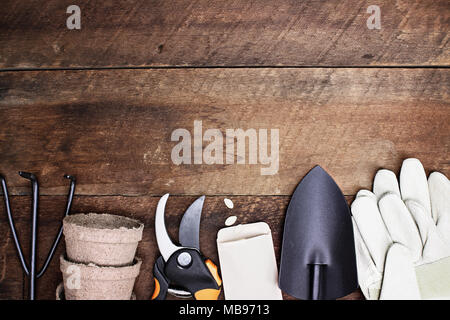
[(189, 231)]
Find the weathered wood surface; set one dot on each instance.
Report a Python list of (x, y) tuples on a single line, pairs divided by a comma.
[(270, 209), (11, 281), (222, 33), (112, 128)]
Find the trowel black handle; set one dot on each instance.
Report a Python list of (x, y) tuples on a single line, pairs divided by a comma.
[(317, 271)]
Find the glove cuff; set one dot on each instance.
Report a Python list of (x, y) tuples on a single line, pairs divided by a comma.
[(434, 279)]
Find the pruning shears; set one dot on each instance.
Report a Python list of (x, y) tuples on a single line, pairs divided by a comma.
[(182, 270)]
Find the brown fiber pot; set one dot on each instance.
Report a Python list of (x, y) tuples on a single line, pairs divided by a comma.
[(102, 239), (92, 282)]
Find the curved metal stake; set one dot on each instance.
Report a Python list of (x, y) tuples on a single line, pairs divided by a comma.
[(34, 208), (12, 226), (58, 236)]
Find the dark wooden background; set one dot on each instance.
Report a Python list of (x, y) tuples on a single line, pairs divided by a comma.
[(101, 102)]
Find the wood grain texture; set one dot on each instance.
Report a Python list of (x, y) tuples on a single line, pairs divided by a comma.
[(248, 209), (11, 281), (112, 128), (221, 33)]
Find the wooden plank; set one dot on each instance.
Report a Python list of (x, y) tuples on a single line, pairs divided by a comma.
[(270, 209), (11, 277), (112, 128), (220, 33), (11, 281)]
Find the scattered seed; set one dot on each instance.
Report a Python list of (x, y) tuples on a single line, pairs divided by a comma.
[(230, 221), (228, 203)]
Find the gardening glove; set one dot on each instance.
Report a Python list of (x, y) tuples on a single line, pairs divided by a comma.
[(402, 235)]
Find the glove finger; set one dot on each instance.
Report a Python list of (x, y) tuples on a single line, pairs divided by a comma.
[(366, 193), (439, 187), (399, 279), (413, 183), (434, 247), (372, 229), (369, 278), (400, 224), (385, 182)]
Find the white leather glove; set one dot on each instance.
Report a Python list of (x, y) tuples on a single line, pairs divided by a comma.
[(402, 235)]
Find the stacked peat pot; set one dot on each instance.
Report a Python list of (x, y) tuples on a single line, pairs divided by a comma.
[(100, 262)]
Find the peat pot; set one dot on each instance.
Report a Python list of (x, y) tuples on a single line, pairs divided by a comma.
[(61, 296), (92, 282), (102, 239)]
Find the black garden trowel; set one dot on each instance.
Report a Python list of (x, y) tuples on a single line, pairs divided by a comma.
[(318, 259)]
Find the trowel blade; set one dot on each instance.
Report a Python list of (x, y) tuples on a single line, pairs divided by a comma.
[(318, 254)]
